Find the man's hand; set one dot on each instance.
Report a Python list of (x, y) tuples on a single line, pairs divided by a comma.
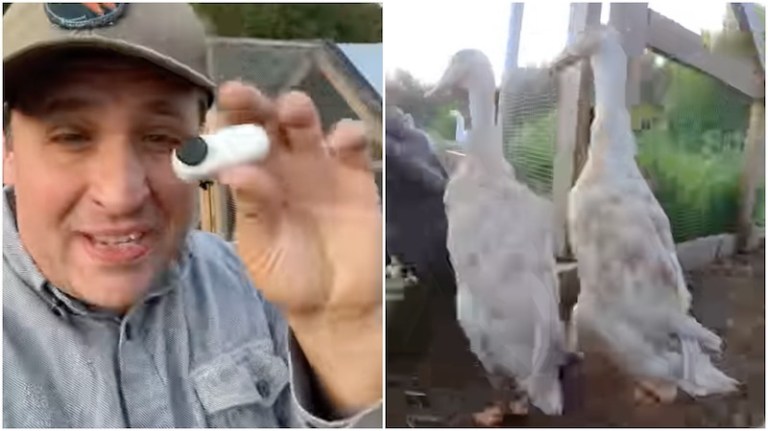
[(308, 228)]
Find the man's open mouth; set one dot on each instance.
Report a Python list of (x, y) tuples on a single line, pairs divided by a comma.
[(120, 248)]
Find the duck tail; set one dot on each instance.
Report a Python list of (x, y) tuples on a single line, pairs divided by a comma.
[(543, 386), (688, 328), (546, 393), (700, 377)]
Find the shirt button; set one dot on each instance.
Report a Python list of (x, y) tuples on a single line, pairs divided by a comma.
[(263, 388)]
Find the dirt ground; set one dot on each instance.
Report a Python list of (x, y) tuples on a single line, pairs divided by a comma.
[(434, 380)]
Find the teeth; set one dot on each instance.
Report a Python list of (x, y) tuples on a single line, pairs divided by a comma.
[(106, 240)]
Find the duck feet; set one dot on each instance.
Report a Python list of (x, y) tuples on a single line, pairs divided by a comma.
[(490, 417), (518, 407), (648, 391)]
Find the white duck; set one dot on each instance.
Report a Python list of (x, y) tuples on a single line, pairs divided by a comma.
[(633, 301), (500, 243), (461, 134)]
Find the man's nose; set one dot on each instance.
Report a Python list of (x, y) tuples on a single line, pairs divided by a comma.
[(120, 183)]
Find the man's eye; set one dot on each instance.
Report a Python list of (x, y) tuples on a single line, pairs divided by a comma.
[(70, 138), (161, 139)]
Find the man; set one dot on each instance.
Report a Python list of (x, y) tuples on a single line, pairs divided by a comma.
[(115, 312)]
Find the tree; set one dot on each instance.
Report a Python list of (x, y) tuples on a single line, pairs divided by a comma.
[(345, 22), (433, 114), (348, 22)]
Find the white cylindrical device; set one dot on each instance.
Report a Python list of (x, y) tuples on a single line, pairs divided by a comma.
[(202, 157)]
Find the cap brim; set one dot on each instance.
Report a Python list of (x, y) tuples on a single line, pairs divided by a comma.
[(14, 64)]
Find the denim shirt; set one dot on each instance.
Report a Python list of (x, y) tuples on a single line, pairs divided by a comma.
[(202, 349)]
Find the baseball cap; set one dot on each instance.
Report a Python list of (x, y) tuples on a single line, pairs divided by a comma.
[(168, 35)]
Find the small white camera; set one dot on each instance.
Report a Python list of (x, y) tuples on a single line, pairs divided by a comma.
[(202, 157)]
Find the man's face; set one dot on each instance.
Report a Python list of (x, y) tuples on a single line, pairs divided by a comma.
[(98, 206)]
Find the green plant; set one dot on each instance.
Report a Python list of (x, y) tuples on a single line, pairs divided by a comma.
[(698, 189)]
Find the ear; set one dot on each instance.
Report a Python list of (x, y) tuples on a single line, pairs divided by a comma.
[(9, 165)]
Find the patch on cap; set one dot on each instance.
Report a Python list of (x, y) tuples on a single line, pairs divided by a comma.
[(84, 15)]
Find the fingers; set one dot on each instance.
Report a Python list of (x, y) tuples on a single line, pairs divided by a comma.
[(349, 144), (256, 193), (254, 188), (292, 122), (240, 103), (294, 126), (300, 122)]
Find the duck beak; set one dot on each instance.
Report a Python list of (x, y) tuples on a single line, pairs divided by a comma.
[(449, 79), (564, 60), (581, 47)]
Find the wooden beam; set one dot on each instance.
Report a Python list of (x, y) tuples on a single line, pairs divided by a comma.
[(631, 20), (299, 74), (264, 42), (752, 172), (573, 107), (673, 40), (350, 95)]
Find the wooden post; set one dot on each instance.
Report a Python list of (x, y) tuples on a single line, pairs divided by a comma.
[(753, 171), (746, 14), (631, 20), (221, 209), (572, 117), (206, 213)]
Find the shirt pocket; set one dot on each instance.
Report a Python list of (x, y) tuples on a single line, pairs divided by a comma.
[(243, 388)]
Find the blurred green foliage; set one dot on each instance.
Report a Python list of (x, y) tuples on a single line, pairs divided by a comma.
[(338, 22), (698, 189)]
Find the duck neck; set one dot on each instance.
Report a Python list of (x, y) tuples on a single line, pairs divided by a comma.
[(486, 136), (611, 129), (481, 103), (609, 67)]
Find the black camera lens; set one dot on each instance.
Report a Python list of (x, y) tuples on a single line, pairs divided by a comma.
[(193, 151)]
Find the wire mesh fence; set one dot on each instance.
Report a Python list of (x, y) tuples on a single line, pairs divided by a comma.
[(690, 130), (528, 99), (529, 119)]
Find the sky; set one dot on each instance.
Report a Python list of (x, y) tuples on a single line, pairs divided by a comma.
[(421, 36)]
